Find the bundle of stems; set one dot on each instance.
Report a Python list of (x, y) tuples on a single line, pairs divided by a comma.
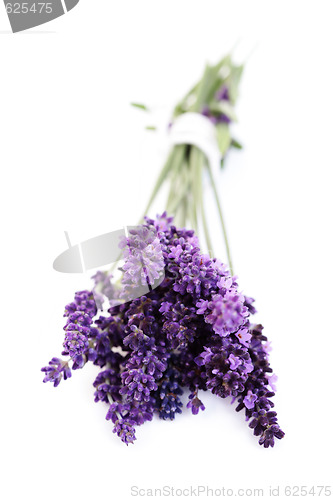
[(214, 96)]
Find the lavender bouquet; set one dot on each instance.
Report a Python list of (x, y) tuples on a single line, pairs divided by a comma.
[(176, 319)]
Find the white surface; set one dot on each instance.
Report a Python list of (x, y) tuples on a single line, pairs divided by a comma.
[(75, 157)]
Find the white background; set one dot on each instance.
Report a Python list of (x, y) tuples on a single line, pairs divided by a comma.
[(75, 156)]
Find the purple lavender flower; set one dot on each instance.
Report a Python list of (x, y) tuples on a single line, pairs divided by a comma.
[(167, 396), (80, 314), (243, 336), (125, 431), (234, 361), (78, 330), (83, 301), (214, 114), (223, 94), (162, 222), (267, 347), (263, 420), (144, 261), (107, 384), (192, 331), (202, 306), (195, 404), (104, 288), (56, 369), (123, 426), (227, 312), (75, 343), (205, 357), (165, 307), (272, 379), (250, 399)]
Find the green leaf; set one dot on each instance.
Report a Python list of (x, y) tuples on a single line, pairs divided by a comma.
[(225, 61), (140, 106), (223, 137), (151, 127), (236, 144), (234, 80), (206, 89)]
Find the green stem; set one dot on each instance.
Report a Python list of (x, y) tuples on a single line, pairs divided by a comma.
[(176, 184), (176, 205), (187, 185), (197, 162), (172, 162), (219, 208), (192, 194)]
